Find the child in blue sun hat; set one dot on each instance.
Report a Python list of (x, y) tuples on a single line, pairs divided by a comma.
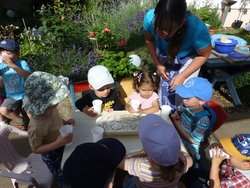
[(195, 93)]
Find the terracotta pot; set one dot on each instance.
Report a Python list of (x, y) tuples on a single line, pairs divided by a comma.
[(212, 31)]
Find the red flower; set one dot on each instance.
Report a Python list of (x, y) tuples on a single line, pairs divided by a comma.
[(92, 35), (122, 42), (106, 30)]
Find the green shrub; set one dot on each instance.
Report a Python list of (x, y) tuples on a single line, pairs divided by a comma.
[(118, 65)]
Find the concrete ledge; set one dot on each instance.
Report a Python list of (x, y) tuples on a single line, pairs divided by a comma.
[(238, 116)]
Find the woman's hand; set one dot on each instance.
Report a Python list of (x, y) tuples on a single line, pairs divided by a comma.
[(176, 81), (163, 71)]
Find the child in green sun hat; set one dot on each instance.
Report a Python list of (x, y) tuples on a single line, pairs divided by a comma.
[(43, 93)]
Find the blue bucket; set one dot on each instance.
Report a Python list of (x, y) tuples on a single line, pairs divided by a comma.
[(225, 47)]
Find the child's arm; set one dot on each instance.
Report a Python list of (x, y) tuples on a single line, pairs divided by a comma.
[(175, 115), (124, 164), (90, 111), (129, 108), (155, 108), (23, 73), (214, 179), (188, 158), (60, 141), (177, 124), (69, 122)]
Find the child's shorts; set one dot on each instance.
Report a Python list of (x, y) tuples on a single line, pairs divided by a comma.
[(129, 182), (11, 103), (2, 99)]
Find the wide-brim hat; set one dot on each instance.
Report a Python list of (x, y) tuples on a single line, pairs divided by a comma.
[(196, 87), (93, 164), (44, 90), (159, 139)]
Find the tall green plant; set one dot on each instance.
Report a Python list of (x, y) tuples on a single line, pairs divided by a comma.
[(214, 20), (61, 21)]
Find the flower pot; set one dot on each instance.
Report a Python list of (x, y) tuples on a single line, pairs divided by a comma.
[(212, 31)]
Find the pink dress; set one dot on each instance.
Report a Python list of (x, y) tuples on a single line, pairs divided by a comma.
[(145, 103)]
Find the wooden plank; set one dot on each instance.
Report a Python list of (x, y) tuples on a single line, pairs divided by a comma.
[(242, 46), (222, 57), (248, 55)]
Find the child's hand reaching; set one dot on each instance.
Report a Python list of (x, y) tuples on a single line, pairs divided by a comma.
[(90, 111), (175, 115), (109, 110)]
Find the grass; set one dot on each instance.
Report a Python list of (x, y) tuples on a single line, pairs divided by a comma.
[(236, 32)]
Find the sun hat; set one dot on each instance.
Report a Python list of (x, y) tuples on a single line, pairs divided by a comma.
[(9, 44), (99, 76), (159, 139), (196, 87), (93, 164), (44, 90), (238, 146)]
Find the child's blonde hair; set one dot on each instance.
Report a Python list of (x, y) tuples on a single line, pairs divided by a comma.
[(146, 77)]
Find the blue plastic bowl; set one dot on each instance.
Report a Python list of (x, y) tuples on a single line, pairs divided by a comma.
[(224, 47)]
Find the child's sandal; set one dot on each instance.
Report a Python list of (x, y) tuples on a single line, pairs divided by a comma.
[(21, 126)]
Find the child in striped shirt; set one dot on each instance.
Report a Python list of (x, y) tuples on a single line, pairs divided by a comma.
[(161, 163), (195, 92)]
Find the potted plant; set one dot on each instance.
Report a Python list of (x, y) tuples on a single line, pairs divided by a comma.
[(214, 21)]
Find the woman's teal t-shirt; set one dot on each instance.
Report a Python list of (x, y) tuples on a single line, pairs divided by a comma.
[(197, 35)]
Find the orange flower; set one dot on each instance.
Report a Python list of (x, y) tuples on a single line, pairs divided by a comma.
[(122, 42), (106, 30)]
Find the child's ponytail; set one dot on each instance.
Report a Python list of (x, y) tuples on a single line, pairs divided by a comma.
[(146, 77), (168, 172)]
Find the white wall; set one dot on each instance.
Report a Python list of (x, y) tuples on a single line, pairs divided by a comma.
[(232, 15)]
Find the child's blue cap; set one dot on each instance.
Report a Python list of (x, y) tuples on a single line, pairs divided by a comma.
[(238, 146), (10, 45), (196, 87)]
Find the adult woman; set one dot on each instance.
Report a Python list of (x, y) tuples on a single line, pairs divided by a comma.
[(178, 42)]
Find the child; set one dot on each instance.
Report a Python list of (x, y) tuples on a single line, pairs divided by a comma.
[(14, 72), (43, 93), (100, 81), (195, 92), (93, 164), (233, 172), (2, 97), (161, 164), (145, 84)]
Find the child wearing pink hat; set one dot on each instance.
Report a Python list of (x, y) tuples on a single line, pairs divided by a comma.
[(161, 163)]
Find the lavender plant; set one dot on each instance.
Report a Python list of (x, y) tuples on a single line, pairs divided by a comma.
[(73, 62)]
